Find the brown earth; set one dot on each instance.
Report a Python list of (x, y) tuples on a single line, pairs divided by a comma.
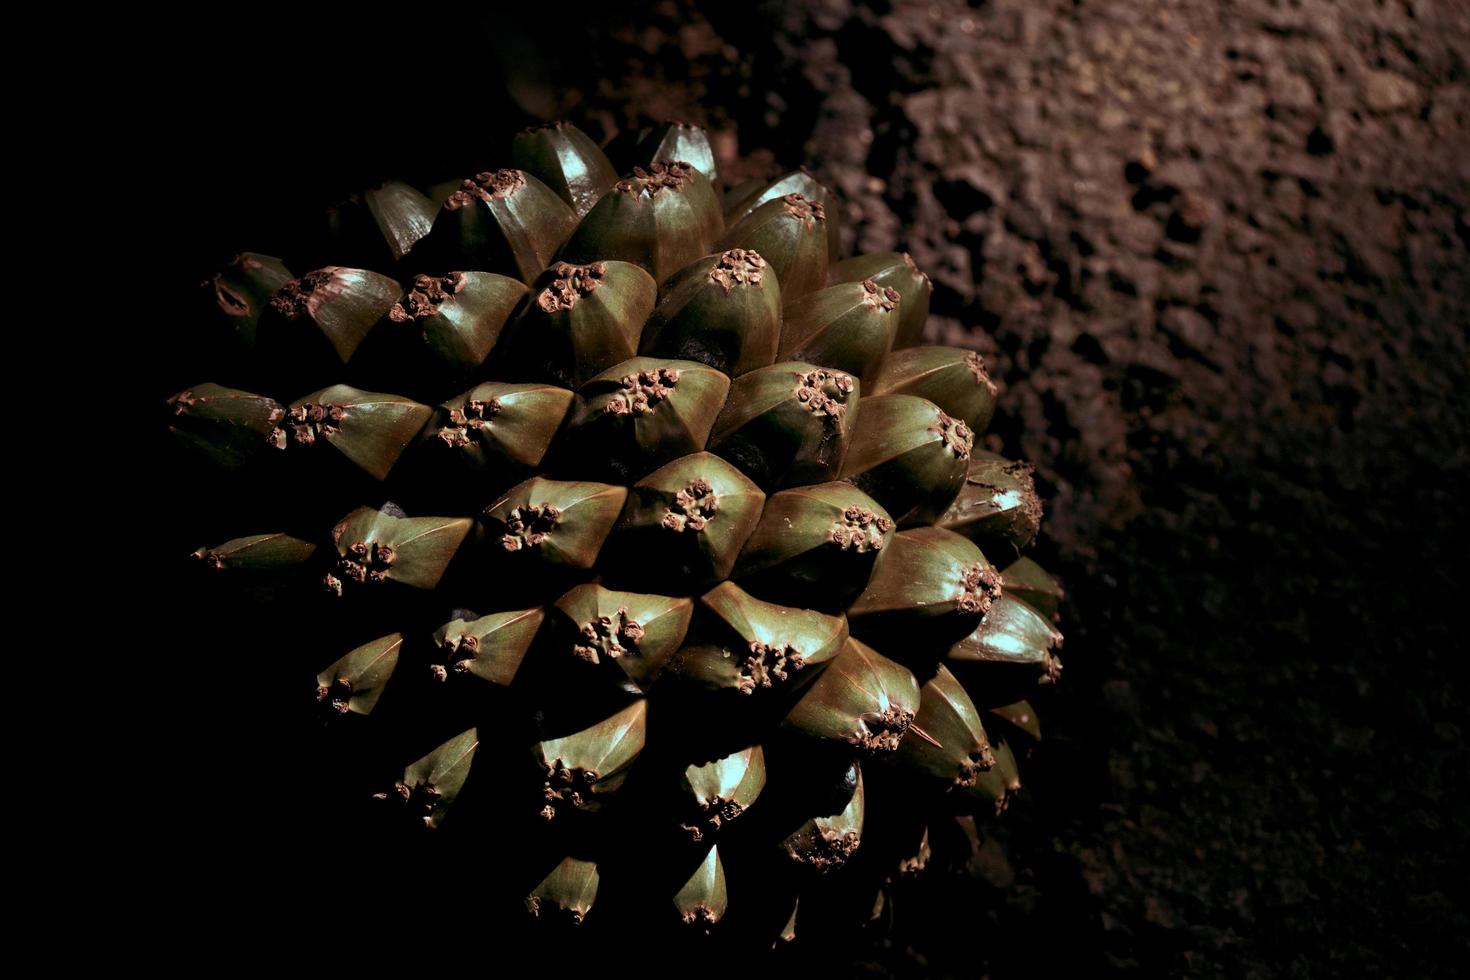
[(1217, 253)]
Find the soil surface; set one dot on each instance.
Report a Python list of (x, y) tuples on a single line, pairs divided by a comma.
[(1218, 253)]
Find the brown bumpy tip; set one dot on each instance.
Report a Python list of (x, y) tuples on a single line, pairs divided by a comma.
[(334, 698), (824, 392), (738, 266), (486, 186), (861, 530), (420, 798), (300, 426), (566, 787), (883, 298), (976, 364), (714, 811), (700, 917), (767, 664), (456, 652), (882, 732), (693, 508), (527, 527), (537, 908), (806, 211), (474, 416), (1052, 666), (661, 176), (426, 296), (828, 851), (208, 558), (572, 282), (957, 435), (908, 260), (642, 392), (294, 299), (182, 402), (362, 563), (609, 636), (978, 761), (980, 589)]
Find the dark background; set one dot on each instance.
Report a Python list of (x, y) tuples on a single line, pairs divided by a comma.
[(1217, 254)]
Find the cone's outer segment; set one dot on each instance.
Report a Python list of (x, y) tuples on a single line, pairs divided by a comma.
[(947, 741), (375, 547), (953, 379), (1013, 648), (568, 891), (587, 765), (354, 683), (685, 523), (931, 587), (439, 776), (1021, 716), (847, 327), (746, 645), (661, 219), (504, 221), (625, 636), (702, 900), (826, 841), (580, 321), (723, 310), (551, 522), (738, 205), (679, 141), (718, 792), (640, 414), (240, 292), (257, 553), (997, 505), (790, 232), (403, 216), (493, 425), (322, 317), (452, 321), (908, 455), (490, 647), (862, 699), (995, 787), (369, 428), (787, 425), (894, 270), (1025, 580), (566, 160), (815, 546), (227, 426)]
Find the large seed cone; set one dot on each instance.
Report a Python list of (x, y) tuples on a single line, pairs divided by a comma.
[(227, 426), (638, 415), (369, 428), (623, 638), (1010, 652), (947, 741), (566, 160), (316, 323), (742, 201), (678, 141), (444, 327), (790, 232), (862, 699), (488, 647), (744, 645), (716, 793), (567, 893), (953, 379), (376, 547), (540, 531), (929, 589), (661, 218), (723, 310), (892, 270), (581, 320), (1029, 582), (504, 221), (431, 784), (847, 327), (354, 683), (580, 770), (684, 525), (496, 428), (788, 424), (997, 507), (240, 292), (815, 546), (908, 455)]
